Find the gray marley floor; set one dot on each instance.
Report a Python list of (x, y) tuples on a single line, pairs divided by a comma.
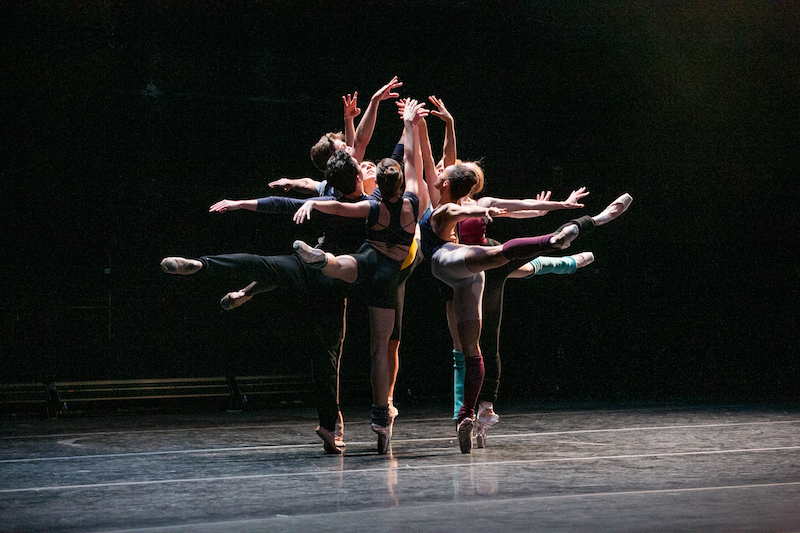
[(545, 468)]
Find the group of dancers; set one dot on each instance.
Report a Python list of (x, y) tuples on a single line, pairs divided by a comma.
[(379, 222)]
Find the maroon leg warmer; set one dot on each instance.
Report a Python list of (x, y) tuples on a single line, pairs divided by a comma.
[(527, 247), (473, 380)]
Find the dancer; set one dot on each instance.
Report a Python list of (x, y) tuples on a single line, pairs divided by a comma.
[(461, 267), (392, 223), (326, 297), (473, 231), (281, 205)]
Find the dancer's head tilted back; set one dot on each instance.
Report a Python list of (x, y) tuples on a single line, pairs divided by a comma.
[(368, 169), (390, 179), (343, 172), (460, 179), (325, 148), (368, 175)]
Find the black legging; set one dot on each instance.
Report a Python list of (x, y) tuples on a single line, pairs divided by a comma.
[(493, 288), (327, 303)]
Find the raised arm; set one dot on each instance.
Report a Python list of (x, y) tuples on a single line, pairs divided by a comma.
[(351, 111), (449, 148), (413, 113), (367, 125), (333, 207), (428, 163), (423, 194)]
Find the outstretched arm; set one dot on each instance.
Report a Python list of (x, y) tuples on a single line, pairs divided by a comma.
[(271, 205), (367, 125), (333, 207), (531, 213), (449, 148), (301, 185), (531, 205), (223, 206), (452, 214)]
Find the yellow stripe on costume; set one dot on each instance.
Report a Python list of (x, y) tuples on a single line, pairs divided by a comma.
[(412, 253)]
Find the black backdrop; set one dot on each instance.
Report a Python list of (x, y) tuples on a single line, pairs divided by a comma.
[(123, 121)]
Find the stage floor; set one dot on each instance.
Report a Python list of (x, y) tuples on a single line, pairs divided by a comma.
[(546, 467)]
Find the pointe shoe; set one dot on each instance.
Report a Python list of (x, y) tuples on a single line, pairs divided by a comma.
[(615, 209), (565, 236), (313, 257), (582, 259), (485, 419), (465, 435), (328, 441), (338, 432), (233, 300), (384, 437), (180, 265)]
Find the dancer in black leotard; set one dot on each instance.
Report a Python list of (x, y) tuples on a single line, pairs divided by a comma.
[(377, 265)]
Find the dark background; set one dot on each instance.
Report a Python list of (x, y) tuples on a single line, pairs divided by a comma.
[(123, 121)]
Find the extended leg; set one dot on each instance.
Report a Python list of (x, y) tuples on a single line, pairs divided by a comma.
[(567, 233), (553, 265)]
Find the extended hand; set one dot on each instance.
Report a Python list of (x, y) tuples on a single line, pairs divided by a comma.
[(572, 201), (224, 205), (385, 92)]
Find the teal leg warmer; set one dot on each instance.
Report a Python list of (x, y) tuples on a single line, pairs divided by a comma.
[(553, 265), (459, 370)]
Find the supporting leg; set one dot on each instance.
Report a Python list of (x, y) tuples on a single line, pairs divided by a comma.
[(381, 323), (469, 333), (329, 335), (394, 366)]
